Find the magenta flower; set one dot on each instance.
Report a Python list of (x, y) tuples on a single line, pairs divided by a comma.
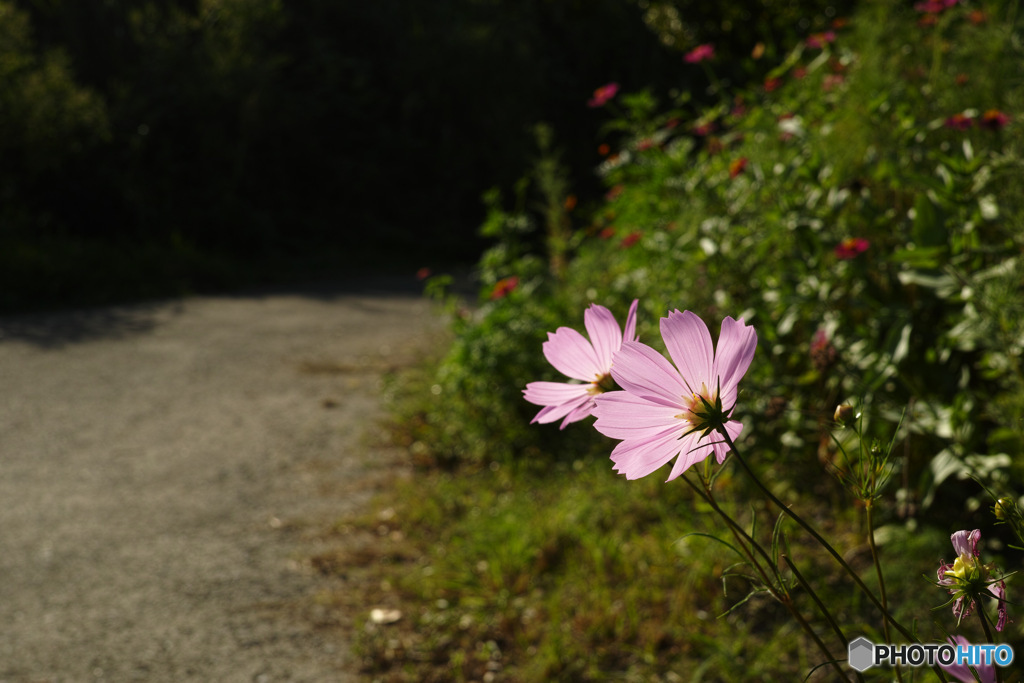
[(699, 54), (967, 580), (851, 247), (958, 122), (589, 362), (993, 119), (962, 672), (603, 94), (667, 411), (934, 6)]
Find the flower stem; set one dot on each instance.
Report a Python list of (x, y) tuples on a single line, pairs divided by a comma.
[(869, 507), (988, 636), (777, 590), (821, 541)]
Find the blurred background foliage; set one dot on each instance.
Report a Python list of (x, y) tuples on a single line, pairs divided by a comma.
[(172, 145)]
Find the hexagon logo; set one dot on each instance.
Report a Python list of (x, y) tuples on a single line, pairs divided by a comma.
[(861, 654)]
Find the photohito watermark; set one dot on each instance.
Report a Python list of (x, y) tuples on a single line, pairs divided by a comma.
[(863, 654)]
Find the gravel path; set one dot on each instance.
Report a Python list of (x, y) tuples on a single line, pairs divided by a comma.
[(167, 470)]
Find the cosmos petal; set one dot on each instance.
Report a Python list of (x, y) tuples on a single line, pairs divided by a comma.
[(642, 371), (689, 345), (571, 354), (736, 345), (622, 415), (605, 334)]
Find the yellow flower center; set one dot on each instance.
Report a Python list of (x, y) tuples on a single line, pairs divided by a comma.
[(601, 384), (695, 411), (966, 569)]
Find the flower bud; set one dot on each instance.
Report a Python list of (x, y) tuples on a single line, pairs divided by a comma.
[(1003, 507), (844, 413)]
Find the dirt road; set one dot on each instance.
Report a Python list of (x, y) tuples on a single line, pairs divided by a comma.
[(167, 470)]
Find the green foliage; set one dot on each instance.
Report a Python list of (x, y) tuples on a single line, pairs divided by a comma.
[(852, 145)]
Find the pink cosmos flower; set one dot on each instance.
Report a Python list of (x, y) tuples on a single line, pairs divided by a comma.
[(603, 94), (589, 362), (699, 54), (851, 247), (968, 580), (667, 411), (962, 672)]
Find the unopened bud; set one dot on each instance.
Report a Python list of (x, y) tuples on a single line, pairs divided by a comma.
[(1003, 507), (844, 413)]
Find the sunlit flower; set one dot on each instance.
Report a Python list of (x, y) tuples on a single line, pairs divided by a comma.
[(699, 54), (967, 579), (958, 122), (504, 287), (589, 362), (962, 672), (851, 247), (668, 411), (603, 94), (737, 166), (993, 119)]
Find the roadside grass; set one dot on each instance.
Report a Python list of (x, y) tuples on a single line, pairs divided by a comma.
[(569, 572)]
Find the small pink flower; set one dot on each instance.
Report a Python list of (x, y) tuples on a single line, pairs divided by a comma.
[(666, 411), (504, 287), (958, 122), (603, 94), (968, 580), (993, 119), (818, 41), (851, 247), (607, 233), (771, 84), (590, 362), (699, 54)]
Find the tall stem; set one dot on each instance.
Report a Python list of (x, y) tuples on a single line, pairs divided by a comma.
[(988, 637), (746, 542), (825, 544), (869, 507)]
